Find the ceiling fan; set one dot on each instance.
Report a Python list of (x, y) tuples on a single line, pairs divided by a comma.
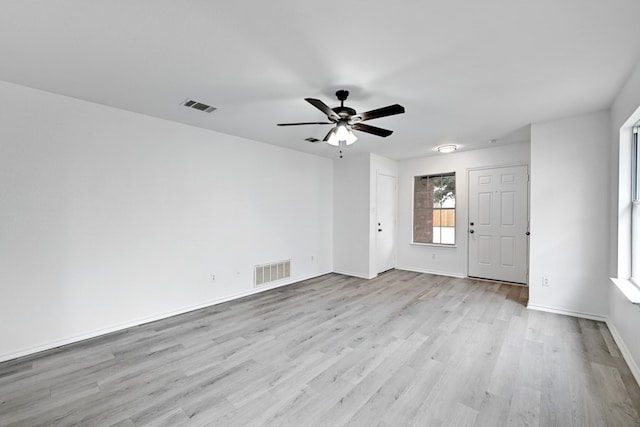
[(346, 119)]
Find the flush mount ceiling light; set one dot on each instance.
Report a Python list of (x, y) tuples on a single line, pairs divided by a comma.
[(449, 148)]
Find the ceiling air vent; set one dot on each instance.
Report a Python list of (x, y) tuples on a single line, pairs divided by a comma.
[(198, 106)]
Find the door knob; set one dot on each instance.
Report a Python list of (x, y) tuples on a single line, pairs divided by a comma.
[(379, 229), (527, 233), (471, 231)]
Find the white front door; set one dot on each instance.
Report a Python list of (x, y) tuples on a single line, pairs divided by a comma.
[(498, 223), (385, 222)]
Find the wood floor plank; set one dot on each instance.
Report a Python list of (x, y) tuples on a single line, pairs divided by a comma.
[(506, 371), (587, 408), (494, 411), (462, 416), (405, 409), (530, 369), (375, 408), (525, 408), (615, 399), (555, 401), (402, 349)]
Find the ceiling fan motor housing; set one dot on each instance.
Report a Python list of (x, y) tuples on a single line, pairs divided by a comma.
[(344, 112)]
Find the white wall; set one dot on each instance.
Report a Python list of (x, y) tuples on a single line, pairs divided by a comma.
[(569, 244), (111, 218), (624, 317), (354, 210), (351, 215), (450, 261)]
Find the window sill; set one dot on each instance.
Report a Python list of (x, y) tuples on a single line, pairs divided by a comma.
[(437, 245), (629, 290)]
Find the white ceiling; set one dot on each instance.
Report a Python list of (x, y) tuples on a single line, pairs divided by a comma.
[(466, 71)]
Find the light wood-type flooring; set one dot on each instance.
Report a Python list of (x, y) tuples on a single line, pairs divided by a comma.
[(400, 350)]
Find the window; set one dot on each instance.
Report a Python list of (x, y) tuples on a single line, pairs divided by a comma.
[(434, 209), (635, 207)]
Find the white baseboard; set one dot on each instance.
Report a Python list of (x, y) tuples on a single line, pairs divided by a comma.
[(351, 273), (119, 327), (583, 315), (626, 354), (435, 272)]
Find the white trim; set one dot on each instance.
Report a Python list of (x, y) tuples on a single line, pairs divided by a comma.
[(500, 166), (437, 245), (358, 275), (628, 288), (503, 282), (141, 321), (572, 313), (626, 354), (437, 273)]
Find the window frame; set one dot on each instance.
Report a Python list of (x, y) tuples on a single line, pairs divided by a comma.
[(433, 209), (635, 206)]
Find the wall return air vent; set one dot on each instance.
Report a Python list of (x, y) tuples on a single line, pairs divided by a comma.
[(267, 273), (190, 103)]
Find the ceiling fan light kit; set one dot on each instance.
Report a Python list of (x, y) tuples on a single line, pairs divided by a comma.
[(346, 120), (341, 134)]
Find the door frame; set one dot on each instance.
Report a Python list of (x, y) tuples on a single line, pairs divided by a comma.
[(468, 214), (395, 221)]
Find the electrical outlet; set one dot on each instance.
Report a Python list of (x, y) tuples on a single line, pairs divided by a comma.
[(213, 277), (545, 281), (433, 256)]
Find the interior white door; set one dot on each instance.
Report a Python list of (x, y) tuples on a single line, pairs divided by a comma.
[(385, 222), (498, 223)]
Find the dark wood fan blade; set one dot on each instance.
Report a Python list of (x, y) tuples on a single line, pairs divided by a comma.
[(326, 138), (383, 112), (306, 123), (372, 129), (323, 107)]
